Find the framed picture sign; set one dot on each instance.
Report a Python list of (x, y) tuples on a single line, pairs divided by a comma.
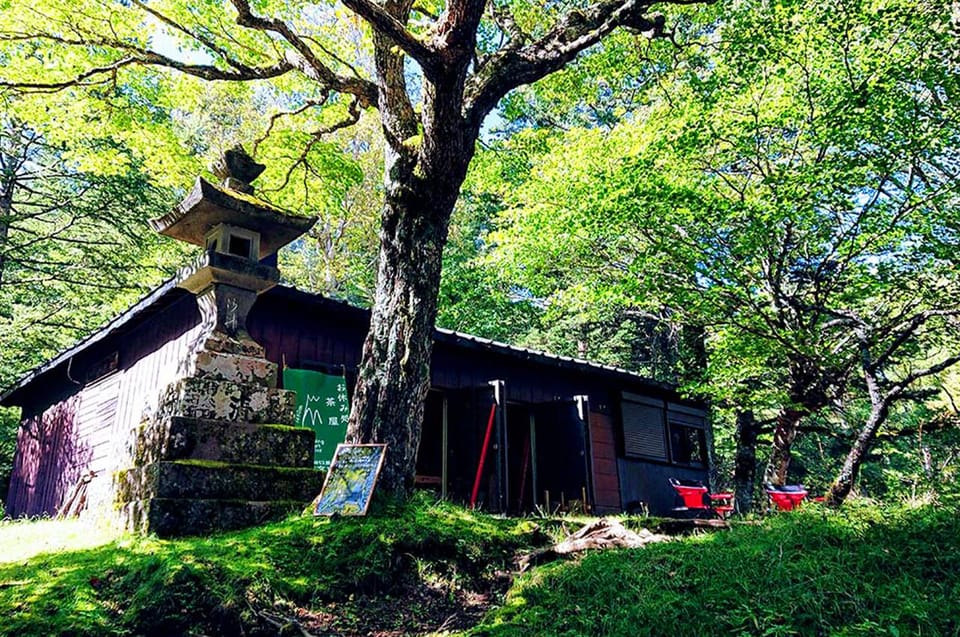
[(351, 479)]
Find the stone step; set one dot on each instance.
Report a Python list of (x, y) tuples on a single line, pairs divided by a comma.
[(182, 438), (212, 399), (209, 480), (184, 516)]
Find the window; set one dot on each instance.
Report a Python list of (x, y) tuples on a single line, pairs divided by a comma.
[(688, 445), (240, 246), (644, 435), (688, 439)]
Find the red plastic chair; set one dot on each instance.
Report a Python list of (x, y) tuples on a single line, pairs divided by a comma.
[(786, 497), (693, 495)]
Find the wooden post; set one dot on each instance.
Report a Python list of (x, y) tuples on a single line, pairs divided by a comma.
[(500, 436), (583, 412), (533, 458), (444, 470)]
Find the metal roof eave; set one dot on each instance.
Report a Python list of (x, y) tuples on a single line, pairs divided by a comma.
[(103, 332)]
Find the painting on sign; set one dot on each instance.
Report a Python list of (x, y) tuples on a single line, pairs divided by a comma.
[(322, 405), (350, 481)]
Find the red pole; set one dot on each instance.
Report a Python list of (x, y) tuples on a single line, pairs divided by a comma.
[(483, 457), (523, 472)]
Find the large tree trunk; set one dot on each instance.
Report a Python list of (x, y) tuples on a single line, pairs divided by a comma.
[(745, 465), (847, 476), (395, 368), (783, 435), (423, 175)]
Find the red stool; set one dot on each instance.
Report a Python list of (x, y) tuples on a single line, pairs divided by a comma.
[(786, 497)]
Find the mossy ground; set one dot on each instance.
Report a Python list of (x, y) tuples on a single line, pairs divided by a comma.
[(404, 569), (426, 568)]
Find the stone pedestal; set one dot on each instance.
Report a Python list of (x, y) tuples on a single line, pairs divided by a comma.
[(220, 451)]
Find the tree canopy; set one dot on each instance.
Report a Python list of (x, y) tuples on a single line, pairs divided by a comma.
[(790, 184)]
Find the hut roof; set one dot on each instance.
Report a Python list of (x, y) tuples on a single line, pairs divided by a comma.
[(168, 292)]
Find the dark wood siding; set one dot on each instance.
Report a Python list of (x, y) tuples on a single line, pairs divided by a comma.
[(606, 482), (90, 430), (44, 466), (96, 417)]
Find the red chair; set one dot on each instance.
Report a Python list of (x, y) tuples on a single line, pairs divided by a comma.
[(786, 497), (693, 495)]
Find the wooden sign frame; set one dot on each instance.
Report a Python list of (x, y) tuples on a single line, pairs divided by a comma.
[(351, 479)]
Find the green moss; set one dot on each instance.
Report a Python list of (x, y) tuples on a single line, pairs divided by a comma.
[(207, 585), (217, 464), (278, 427)]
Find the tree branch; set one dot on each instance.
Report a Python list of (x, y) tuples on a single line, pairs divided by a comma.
[(389, 26), (914, 376), (578, 30), (205, 41), (276, 116), (141, 57), (907, 329), (352, 117), (304, 59)]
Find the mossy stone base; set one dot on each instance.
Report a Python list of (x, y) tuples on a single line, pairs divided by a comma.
[(210, 456), (179, 517), (203, 479), (183, 438)]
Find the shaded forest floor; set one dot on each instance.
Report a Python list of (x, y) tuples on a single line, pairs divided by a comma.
[(428, 568)]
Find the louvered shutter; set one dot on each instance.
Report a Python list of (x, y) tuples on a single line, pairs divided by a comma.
[(644, 434)]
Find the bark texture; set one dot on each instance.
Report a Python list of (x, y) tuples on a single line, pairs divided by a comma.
[(745, 466), (811, 388), (395, 367), (422, 179), (784, 434), (847, 475)]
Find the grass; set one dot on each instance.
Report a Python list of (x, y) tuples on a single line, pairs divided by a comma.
[(21, 540), (239, 582), (862, 571), (409, 569)]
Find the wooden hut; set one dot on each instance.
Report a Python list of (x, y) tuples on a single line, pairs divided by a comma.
[(566, 427), (140, 412)]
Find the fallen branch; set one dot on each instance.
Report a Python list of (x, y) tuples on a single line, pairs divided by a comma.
[(604, 533)]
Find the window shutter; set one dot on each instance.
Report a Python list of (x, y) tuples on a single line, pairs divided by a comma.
[(644, 434)]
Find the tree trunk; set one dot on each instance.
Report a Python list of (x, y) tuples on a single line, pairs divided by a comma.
[(422, 184), (8, 181), (843, 484), (783, 436), (745, 467), (395, 367), (426, 160)]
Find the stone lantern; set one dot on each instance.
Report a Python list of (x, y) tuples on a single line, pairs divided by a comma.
[(218, 450), (240, 235)]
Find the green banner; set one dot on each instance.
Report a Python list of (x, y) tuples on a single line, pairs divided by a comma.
[(322, 405)]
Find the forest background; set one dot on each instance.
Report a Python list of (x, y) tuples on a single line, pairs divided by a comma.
[(760, 204)]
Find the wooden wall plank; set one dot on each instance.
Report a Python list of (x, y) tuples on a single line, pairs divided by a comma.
[(606, 479)]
